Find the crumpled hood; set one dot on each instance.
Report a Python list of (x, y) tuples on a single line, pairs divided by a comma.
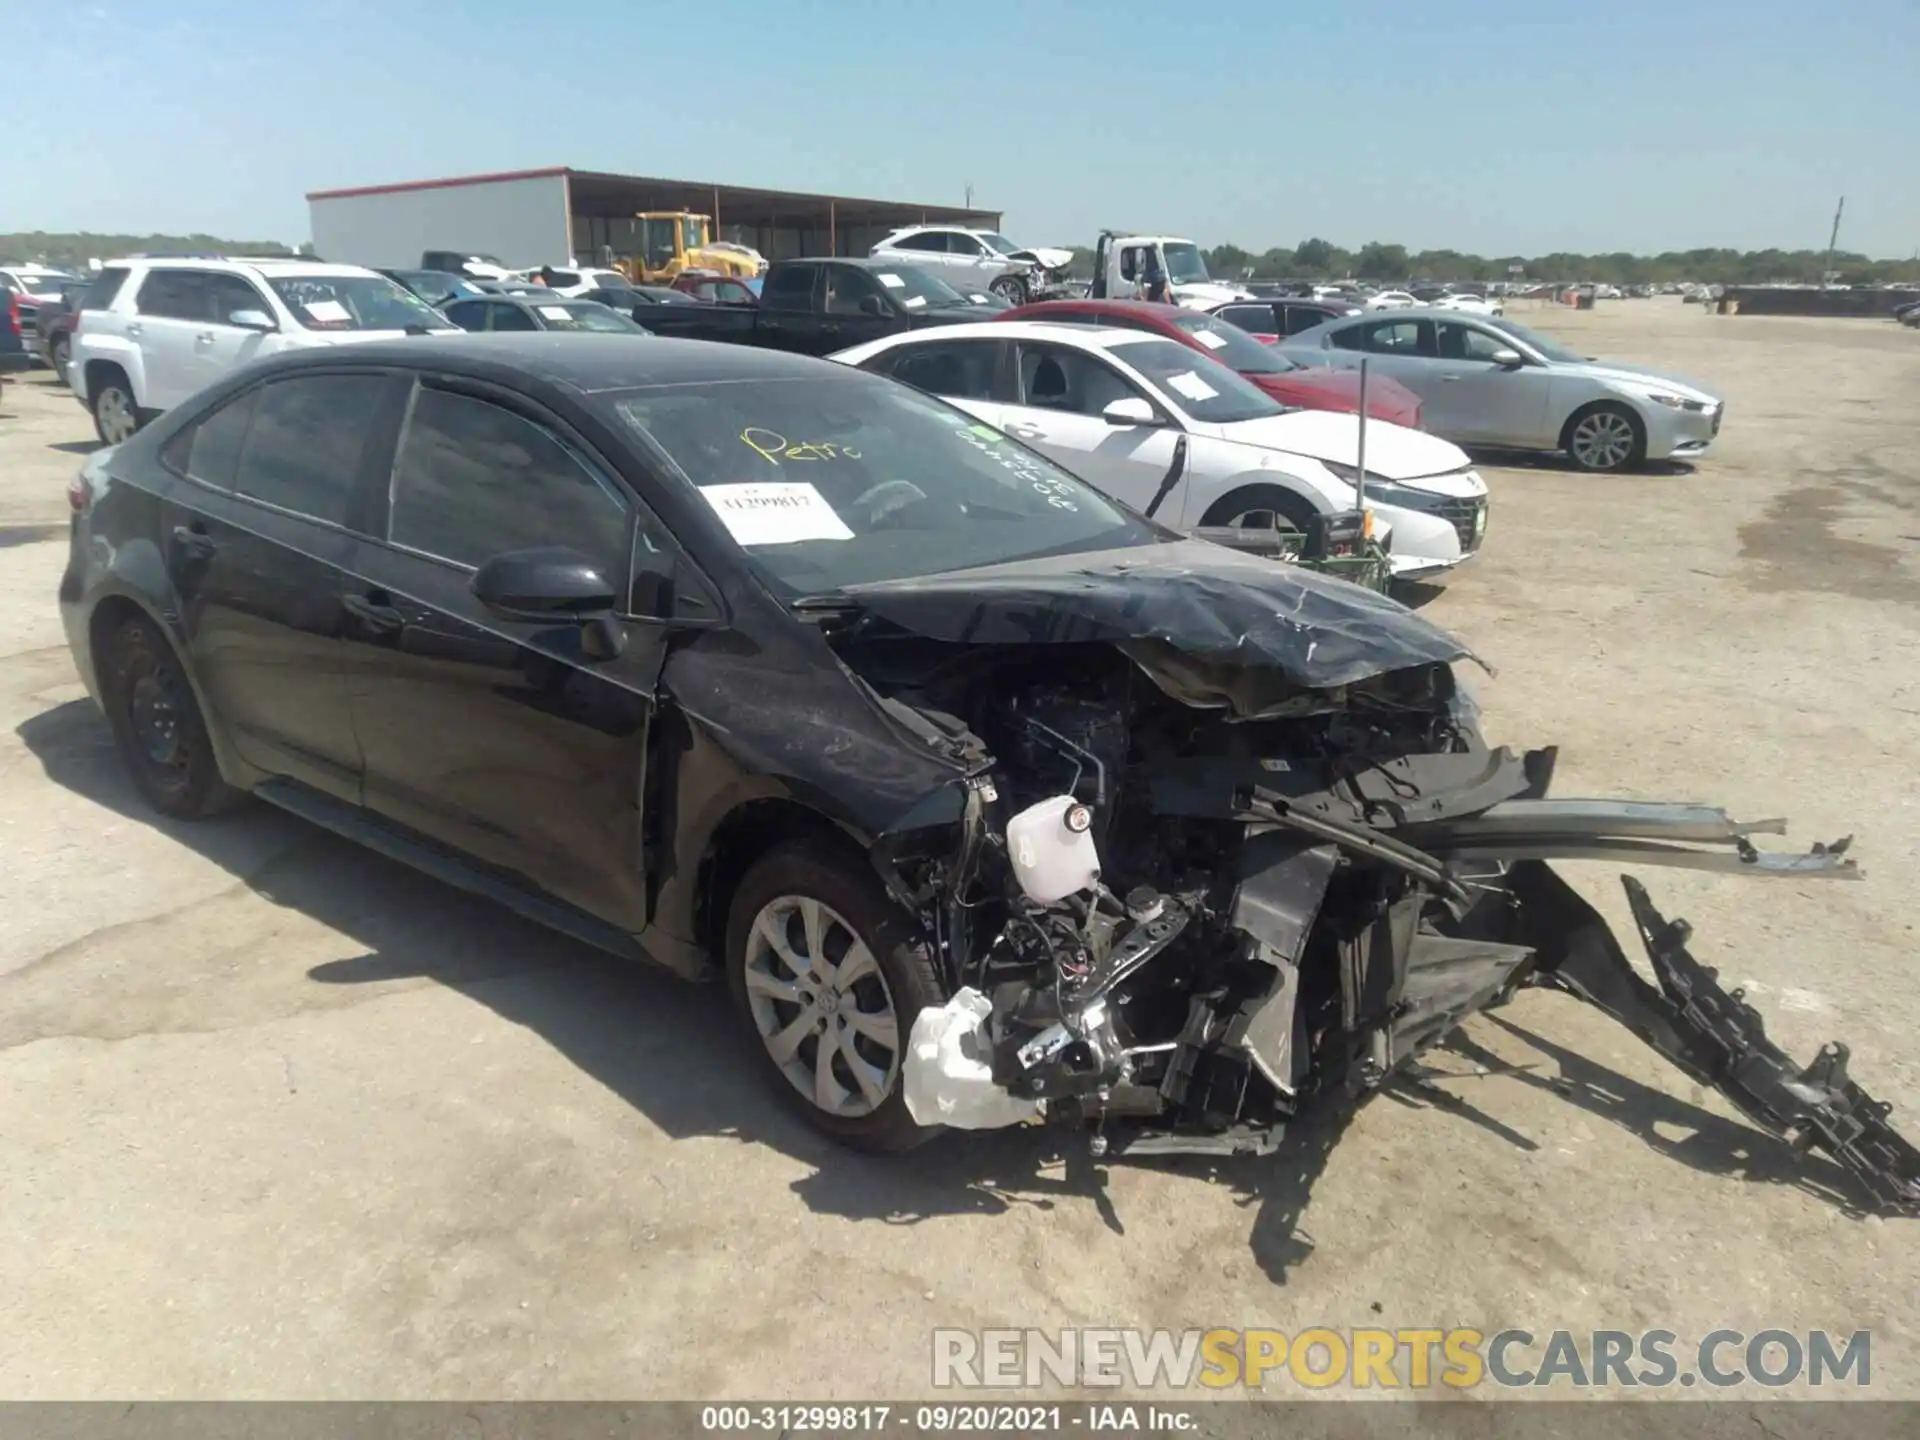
[(1046, 257), (1393, 451), (1186, 598)]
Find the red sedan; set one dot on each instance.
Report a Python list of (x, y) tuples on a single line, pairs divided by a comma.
[(1283, 379)]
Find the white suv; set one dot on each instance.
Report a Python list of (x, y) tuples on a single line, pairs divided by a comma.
[(964, 258), (152, 331)]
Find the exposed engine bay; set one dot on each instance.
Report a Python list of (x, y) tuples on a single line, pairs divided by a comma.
[(1190, 894)]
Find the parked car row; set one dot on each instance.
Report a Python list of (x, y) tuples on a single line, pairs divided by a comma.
[(781, 671)]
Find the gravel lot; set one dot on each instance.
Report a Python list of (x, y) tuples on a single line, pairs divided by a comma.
[(279, 1118)]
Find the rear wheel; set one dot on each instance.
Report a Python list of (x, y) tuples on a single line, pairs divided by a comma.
[(157, 725), (1262, 507), (116, 416), (1604, 438), (828, 975)]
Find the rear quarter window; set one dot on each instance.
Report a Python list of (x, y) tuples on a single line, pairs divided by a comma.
[(105, 288)]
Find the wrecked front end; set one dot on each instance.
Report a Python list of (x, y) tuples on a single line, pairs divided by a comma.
[(1232, 841)]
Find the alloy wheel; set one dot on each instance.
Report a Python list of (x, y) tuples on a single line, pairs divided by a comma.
[(821, 1006), (117, 418), (1602, 440)]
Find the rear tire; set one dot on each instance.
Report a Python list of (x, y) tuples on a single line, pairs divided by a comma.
[(158, 727), (116, 414), (1604, 438), (828, 976)]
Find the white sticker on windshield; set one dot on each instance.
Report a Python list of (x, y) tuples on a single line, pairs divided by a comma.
[(1192, 386), (329, 312), (765, 513), (1210, 340), (914, 302), (555, 312), (893, 282)]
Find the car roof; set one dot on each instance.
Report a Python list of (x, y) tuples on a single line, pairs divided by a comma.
[(1145, 309), (293, 267), (586, 363), (1087, 337)]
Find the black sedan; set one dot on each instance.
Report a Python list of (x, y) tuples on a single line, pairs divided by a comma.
[(538, 310), (991, 799)]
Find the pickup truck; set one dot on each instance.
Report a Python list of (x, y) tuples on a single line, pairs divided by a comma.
[(818, 306)]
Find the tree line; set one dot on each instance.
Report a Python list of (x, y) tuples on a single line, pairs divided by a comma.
[(72, 251), (1312, 259), (1318, 259)]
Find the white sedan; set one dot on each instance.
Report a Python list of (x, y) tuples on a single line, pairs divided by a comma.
[(1468, 304), (1110, 404), (1391, 300)]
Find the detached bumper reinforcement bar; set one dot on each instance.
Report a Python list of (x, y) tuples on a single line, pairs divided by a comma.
[(1716, 1037)]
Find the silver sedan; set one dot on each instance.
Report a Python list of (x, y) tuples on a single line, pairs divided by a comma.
[(1487, 380)]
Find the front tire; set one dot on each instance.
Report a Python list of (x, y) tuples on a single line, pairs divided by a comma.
[(1010, 288), (116, 414), (1262, 507), (828, 975), (158, 727), (60, 352), (1604, 438)]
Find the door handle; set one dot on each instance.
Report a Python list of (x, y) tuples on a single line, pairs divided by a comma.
[(377, 617), (135, 329), (196, 544), (205, 337), (1026, 432)]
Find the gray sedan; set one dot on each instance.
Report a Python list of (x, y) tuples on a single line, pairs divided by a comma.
[(1487, 380)]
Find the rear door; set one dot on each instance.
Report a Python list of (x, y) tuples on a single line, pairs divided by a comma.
[(171, 308), (1259, 321), (789, 306), (254, 533), (498, 737), (1059, 394)]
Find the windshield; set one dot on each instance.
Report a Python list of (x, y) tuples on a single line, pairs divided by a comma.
[(1232, 346), (584, 315), (1195, 385), (656, 243), (1552, 349), (46, 282), (996, 241), (829, 481), (355, 302), (915, 289), (1184, 265)]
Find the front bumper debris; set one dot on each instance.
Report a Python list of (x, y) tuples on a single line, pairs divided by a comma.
[(1713, 1035)]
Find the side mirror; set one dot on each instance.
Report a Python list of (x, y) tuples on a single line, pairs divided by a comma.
[(872, 305), (545, 584), (554, 584), (1508, 359), (252, 320), (1131, 410)]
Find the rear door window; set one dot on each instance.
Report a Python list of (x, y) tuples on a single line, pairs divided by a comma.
[(511, 317), (175, 295), (209, 450), (956, 369), (473, 479), (304, 447), (790, 288)]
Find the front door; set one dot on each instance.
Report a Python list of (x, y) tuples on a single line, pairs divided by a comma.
[(219, 345), (254, 538), (857, 306), (1475, 400), (1058, 411), (500, 737)]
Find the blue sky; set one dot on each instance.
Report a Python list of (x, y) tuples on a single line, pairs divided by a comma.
[(1479, 124)]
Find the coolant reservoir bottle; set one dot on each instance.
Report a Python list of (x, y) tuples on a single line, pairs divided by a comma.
[(1051, 848)]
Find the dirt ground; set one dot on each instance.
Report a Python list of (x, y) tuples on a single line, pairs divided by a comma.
[(279, 1118)]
